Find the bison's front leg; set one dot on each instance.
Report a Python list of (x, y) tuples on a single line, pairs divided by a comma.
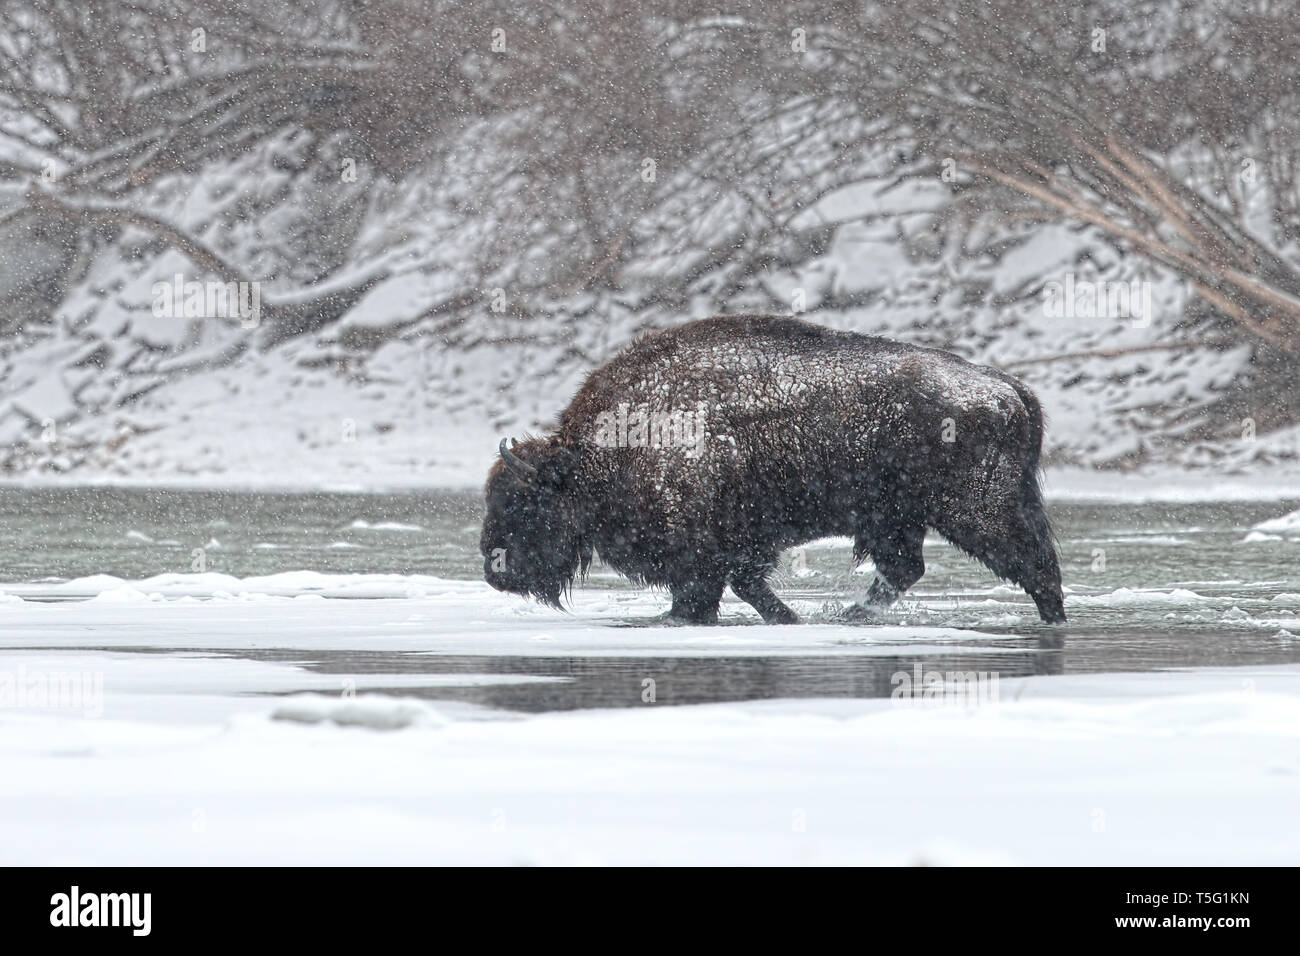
[(695, 601), (751, 587)]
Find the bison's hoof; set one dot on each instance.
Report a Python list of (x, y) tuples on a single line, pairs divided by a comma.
[(858, 613), (1051, 608), (782, 616), (678, 619)]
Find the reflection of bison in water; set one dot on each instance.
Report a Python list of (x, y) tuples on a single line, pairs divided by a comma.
[(694, 458)]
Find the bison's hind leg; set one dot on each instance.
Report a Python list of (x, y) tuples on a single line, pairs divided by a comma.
[(896, 553), (750, 584)]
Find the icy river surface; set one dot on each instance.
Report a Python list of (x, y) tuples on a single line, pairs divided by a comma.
[(229, 678)]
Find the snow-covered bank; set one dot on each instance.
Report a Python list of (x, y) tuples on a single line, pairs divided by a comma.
[(189, 764), (206, 719)]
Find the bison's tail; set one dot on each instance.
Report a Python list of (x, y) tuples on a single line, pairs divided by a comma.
[(1035, 411), (1043, 572)]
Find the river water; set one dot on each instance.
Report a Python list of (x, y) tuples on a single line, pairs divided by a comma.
[(1150, 587)]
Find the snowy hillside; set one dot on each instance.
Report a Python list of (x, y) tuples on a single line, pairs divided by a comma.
[(388, 277), (399, 389)]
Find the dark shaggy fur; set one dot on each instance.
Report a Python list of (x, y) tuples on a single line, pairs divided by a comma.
[(806, 433)]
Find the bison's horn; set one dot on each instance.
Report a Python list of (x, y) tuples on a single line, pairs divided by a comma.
[(516, 465)]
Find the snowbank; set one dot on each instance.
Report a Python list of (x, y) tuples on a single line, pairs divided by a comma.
[(231, 721), (1105, 770)]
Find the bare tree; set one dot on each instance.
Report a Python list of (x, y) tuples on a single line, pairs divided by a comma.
[(1150, 121), (605, 132)]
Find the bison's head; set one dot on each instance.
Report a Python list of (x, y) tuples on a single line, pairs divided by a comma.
[(532, 541)]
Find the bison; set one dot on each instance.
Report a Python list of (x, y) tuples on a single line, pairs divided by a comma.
[(694, 458)]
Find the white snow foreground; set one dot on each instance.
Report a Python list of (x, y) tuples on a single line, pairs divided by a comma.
[(203, 756)]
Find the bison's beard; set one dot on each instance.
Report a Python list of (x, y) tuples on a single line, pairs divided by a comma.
[(548, 589), (540, 559), (547, 577)]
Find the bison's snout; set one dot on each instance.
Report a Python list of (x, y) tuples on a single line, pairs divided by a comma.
[(502, 580), (547, 588)]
